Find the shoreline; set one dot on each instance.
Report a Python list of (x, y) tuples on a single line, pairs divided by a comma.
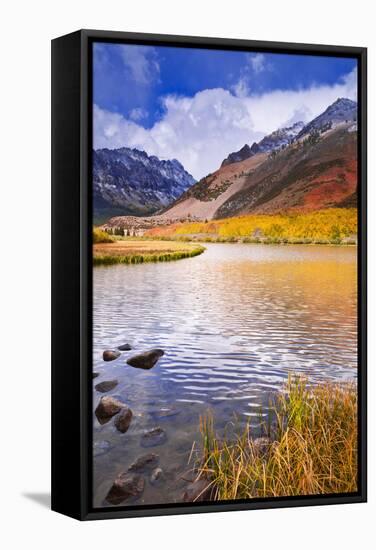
[(249, 240)]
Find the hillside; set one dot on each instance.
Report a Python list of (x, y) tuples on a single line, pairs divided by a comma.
[(303, 177), (303, 168)]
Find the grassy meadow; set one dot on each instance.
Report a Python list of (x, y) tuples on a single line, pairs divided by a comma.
[(309, 449), (108, 250), (330, 226)]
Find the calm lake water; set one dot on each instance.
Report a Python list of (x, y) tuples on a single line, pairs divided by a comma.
[(232, 322)]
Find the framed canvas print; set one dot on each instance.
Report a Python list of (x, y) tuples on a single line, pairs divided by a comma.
[(209, 274)]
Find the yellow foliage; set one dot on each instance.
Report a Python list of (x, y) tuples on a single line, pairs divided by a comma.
[(332, 225)]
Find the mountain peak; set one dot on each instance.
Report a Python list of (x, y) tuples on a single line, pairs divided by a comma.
[(277, 139), (342, 110)]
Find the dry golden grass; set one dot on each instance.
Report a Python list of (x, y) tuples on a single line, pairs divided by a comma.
[(139, 251), (312, 449)]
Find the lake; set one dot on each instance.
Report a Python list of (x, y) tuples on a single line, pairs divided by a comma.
[(233, 322)]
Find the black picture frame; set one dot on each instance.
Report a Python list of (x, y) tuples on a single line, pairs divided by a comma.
[(72, 264)]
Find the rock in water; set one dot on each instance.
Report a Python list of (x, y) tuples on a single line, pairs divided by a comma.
[(198, 491), (156, 476), (95, 374), (161, 414), (110, 354), (123, 420), (145, 360), (153, 437), (261, 446), (144, 463), (107, 385), (101, 447), (107, 408), (125, 486), (125, 347)]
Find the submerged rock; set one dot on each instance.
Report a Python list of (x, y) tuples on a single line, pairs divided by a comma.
[(156, 476), (144, 463), (123, 420), (198, 491), (145, 360), (110, 354), (125, 347), (101, 447), (95, 374), (152, 438), (261, 445), (107, 408), (164, 413), (125, 486), (107, 385)]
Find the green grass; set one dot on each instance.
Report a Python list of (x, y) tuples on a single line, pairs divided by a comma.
[(312, 447)]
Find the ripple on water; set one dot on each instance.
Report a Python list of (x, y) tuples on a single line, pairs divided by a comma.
[(233, 323)]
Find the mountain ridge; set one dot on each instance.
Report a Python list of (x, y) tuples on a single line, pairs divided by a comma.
[(129, 181)]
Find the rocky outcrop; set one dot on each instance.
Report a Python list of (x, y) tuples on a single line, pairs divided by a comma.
[(156, 476), (152, 438), (111, 354), (101, 447), (126, 486), (125, 347), (123, 420), (106, 385), (107, 408), (144, 463), (198, 491), (145, 360)]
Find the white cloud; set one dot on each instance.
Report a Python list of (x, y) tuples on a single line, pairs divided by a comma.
[(141, 62), (258, 62), (138, 114), (241, 88), (200, 131)]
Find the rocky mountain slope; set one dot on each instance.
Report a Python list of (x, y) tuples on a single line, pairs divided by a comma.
[(303, 177), (343, 110), (276, 140), (129, 182), (303, 168)]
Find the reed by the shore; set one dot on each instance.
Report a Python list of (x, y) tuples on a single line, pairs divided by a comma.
[(309, 448)]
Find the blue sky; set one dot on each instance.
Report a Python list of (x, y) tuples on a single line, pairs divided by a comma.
[(182, 102)]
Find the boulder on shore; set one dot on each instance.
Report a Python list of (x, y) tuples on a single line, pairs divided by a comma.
[(123, 420), (125, 347), (152, 438), (107, 408), (144, 463), (111, 354), (106, 385), (125, 486), (145, 360)]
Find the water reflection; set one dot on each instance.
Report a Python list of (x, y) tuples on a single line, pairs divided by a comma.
[(233, 322)]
